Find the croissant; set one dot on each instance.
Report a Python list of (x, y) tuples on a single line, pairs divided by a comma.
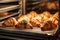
[(26, 18), (10, 22), (51, 23), (38, 20), (3, 14), (24, 25)]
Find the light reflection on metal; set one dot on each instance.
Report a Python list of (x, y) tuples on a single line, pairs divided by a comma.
[(22, 8)]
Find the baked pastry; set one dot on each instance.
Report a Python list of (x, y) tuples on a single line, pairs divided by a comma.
[(3, 14), (24, 25), (50, 5), (10, 22), (45, 21), (26, 18), (51, 23), (38, 20)]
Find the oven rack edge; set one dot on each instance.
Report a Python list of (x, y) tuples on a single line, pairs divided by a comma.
[(26, 35)]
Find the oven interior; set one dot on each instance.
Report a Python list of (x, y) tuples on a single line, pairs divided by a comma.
[(30, 5)]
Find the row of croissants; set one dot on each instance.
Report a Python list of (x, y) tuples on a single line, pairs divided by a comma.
[(44, 21)]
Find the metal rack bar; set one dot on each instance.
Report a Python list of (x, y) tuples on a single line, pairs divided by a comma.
[(9, 8), (1, 18), (22, 7), (7, 1)]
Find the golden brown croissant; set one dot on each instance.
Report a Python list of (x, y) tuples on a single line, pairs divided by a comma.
[(56, 15), (38, 20), (24, 25), (48, 26), (51, 23), (46, 15), (3, 13), (26, 18), (10, 22), (33, 19), (50, 5)]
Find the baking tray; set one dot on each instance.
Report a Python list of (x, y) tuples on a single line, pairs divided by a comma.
[(34, 30), (27, 35), (8, 8), (6, 1)]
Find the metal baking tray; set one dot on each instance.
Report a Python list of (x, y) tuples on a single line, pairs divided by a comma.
[(6, 1), (8, 8), (34, 30)]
